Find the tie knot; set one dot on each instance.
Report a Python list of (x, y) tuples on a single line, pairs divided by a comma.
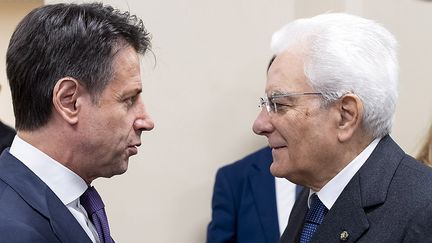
[(91, 201), (317, 210)]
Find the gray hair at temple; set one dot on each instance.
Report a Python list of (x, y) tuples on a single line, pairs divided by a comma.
[(347, 54)]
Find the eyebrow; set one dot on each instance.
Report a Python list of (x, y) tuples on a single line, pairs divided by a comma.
[(134, 91), (275, 92), (280, 98)]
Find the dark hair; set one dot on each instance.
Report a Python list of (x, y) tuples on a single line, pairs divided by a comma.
[(66, 40)]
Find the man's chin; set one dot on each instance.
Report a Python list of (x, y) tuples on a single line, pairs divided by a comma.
[(120, 170), (123, 169), (276, 170)]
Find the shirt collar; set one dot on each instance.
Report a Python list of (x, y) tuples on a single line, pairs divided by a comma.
[(67, 185), (331, 191)]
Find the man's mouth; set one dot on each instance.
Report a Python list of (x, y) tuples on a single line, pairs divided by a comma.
[(277, 146), (133, 149)]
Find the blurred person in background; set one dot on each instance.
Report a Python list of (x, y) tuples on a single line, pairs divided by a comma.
[(425, 154)]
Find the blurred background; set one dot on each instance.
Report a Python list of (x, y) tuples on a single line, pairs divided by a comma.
[(202, 91)]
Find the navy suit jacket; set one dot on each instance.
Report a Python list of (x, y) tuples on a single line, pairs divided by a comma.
[(244, 202), (388, 200), (30, 211)]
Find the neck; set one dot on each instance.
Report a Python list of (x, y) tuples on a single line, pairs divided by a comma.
[(344, 154), (50, 140)]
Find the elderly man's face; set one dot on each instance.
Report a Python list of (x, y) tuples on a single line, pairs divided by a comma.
[(112, 127), (300, 133)]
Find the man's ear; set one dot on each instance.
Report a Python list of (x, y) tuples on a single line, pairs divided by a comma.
[(65, 95), (351, 114)]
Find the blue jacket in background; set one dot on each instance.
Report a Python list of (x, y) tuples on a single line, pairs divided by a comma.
[(244, 202)]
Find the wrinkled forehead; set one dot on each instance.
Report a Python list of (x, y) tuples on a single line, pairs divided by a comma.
[(286, 73)]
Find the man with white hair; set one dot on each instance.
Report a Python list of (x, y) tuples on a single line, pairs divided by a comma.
[(330, 99)]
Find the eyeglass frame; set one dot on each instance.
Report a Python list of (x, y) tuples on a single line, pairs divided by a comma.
[(267, 100)]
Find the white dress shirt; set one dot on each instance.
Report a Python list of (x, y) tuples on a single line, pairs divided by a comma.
[(67, 185), (285, 199), (331, 191)]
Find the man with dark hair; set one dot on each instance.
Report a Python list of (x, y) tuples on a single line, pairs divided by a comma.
[(74, 74)]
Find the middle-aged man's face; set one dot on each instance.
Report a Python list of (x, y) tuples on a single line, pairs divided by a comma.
[(300, 135), (113, 126)]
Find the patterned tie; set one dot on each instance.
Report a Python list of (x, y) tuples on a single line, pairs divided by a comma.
[(314, 218), (92, 203)]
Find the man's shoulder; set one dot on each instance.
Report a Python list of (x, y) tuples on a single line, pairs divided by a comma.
[(12, 203), (394, 170), (408, 170), (16, 231), (19, 221), (28, 206), (19, 187), (412, 172), (409, 193)]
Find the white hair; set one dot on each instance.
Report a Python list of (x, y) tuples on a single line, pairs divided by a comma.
[(347, 54)]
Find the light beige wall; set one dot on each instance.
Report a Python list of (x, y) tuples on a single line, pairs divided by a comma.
[(202, 93), (309, 8)]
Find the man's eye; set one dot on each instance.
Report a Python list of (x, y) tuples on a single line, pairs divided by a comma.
[(285, 104), (282, 106), (131, 100)]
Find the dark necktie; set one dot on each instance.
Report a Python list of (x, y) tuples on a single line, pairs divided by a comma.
[(92, 203), (314, 218)]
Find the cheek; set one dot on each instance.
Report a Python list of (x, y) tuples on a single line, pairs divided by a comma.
[(117, 119), (293, 129)]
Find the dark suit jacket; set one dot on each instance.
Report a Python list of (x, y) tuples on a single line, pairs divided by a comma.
[(388, 200), (7, 135), (244, 202), (30, 211)]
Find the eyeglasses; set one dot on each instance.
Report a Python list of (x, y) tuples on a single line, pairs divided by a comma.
[(273, 103)]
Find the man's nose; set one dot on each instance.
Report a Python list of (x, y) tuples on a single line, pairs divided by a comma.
[(143, 122), (262, 125)]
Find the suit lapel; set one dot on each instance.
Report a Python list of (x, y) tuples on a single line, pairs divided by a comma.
[(262, 184), (296, 219), (28, 186), (38, 195), (64, 225), (347, 214), (368, 188)]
